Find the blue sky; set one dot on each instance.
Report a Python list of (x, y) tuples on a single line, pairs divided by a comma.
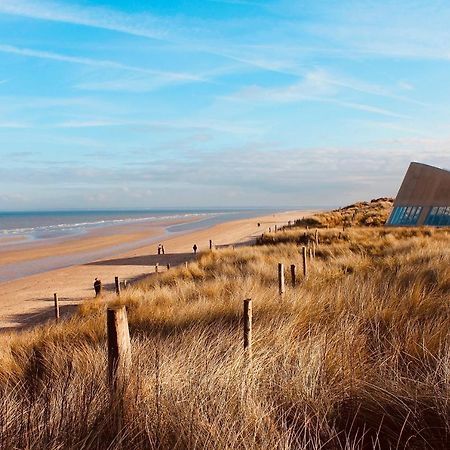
[(133, 103)]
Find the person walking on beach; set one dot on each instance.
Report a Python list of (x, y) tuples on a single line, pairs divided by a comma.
[(195, 249), (162, 249), (97, 287), (159, 249)]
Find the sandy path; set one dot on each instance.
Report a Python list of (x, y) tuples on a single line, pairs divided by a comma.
[(29, 300)]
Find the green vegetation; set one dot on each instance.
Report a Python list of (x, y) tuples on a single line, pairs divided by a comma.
[(357, 356)]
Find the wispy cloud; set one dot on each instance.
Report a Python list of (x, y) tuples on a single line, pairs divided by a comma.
[(239, 2), (134, 83), (8, 124), (169, 76), (314, 83), (143, 25), (364, 107), (316, 86), (181, 125), (400, 29), (182, 33)]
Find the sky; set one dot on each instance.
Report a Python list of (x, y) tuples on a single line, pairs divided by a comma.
[(218, 103)]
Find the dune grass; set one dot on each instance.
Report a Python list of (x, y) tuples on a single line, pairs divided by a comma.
[(356, 356)]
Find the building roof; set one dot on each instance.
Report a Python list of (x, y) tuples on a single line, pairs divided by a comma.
[(424, 185)]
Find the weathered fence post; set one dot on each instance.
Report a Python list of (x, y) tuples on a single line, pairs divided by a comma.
[(210, 244), (119, 360), (310, 254), (156, 267), (293, 275), (314, 250), (316, 236), (168, 266), (276, 228), (55, 298), (305, 269), (248, 317), (116, 282), (280, 278), (186, 264)]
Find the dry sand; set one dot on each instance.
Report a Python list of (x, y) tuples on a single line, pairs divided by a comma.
[(29, 300)]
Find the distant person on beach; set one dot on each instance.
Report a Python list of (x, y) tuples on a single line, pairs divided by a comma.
[(259, 224), (97, 287), (162, 249), (159, 249), (195, 249)]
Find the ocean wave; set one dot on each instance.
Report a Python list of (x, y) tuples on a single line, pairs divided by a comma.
[(79, 226)]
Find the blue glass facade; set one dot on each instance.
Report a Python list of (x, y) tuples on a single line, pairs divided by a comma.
[(405, 215), (438, 216)]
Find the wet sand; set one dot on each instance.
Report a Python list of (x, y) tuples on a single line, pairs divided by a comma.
[(29, 300)]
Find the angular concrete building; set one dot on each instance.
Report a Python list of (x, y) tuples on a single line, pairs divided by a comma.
[(423, 198)]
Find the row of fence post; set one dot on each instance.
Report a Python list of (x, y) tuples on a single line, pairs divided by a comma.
[(281, 279)]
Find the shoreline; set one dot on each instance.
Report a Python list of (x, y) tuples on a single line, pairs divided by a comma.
[(29, 300), (25, 257)]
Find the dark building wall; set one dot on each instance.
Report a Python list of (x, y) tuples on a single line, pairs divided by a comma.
[(426, 187)]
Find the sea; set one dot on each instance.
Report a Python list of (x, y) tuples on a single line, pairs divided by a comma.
[(40, 225)]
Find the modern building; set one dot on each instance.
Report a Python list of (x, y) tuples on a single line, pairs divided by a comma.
[(423, 198)]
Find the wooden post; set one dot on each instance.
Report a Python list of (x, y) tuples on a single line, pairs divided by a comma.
[(293, 275), (210, 244), (186, 264), (119, 361), (119, 347), (316, 236), (168, 266), (305, 269), (156, 267), (310, 254), (314, 250), (276, 228), (248, 316), (116, 281), (280, 278), (55, 298)]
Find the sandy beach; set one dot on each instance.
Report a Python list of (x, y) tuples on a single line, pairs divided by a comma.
[(29, 300)]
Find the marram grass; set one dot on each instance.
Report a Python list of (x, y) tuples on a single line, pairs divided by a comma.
[(355, 357)]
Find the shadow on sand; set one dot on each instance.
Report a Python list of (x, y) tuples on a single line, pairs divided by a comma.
[(146, 260), (27, 320)]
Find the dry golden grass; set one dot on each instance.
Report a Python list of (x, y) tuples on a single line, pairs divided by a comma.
[(356, 356), (371, 214)]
